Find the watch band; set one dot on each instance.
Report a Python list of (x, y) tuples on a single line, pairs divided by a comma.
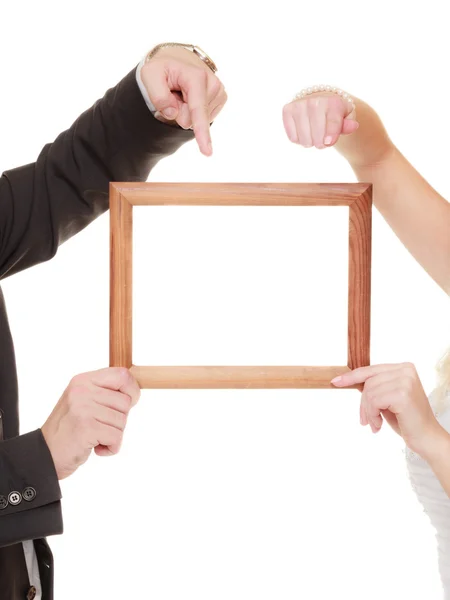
[(195, 49)]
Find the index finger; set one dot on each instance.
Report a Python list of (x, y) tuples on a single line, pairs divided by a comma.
[(197, 101), (333, 129), (336, 112), (361, 375), (119, 379)]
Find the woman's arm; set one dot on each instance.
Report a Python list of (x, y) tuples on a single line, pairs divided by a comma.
[(418, 215), (414, 210), (394, 393)]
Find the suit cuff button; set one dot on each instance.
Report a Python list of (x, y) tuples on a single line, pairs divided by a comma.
[(15, 498), (29, 494)]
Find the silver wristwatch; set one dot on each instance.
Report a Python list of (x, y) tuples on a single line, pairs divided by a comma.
[(195, 49)]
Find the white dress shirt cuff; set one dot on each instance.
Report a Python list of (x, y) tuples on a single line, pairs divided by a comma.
[(142, 86)]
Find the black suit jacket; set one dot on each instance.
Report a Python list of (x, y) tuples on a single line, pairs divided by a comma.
[(42, 205)]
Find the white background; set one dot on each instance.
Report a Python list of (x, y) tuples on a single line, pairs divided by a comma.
[(234, 494)]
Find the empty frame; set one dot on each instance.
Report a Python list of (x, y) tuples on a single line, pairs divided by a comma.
[(123, 196)]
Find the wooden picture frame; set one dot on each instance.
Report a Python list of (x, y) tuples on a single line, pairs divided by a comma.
[(123, 196)]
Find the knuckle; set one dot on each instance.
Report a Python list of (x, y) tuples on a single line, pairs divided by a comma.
[(403, 394), (369, 384), (121, 420), (123, 374), (125, 405), (117, 437), (287, 109), (406, 383), (299, 106), (77, 380), (334, 102), (216, 86), (133, 379), (202, 74), (197, 74), (313, 102)]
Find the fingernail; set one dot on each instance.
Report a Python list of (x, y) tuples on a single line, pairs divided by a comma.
[(327, 141), (170, 113), (337, 379)]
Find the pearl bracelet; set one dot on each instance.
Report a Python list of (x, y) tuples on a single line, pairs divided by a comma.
[(324, 88)]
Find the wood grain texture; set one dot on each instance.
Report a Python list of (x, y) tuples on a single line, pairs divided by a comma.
[(121, 293), (359, 280), (357, 196), (242, 194), (236, 377)]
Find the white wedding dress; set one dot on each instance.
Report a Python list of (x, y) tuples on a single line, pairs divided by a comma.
[(434, 500)]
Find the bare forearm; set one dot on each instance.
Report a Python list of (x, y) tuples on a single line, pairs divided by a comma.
[(418, 215)]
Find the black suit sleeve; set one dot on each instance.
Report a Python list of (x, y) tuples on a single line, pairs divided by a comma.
[(45, 203), (30, 495), (42, 205)]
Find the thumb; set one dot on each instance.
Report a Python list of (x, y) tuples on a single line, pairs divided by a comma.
[(168, 108), (163, 99), (349, 126)]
